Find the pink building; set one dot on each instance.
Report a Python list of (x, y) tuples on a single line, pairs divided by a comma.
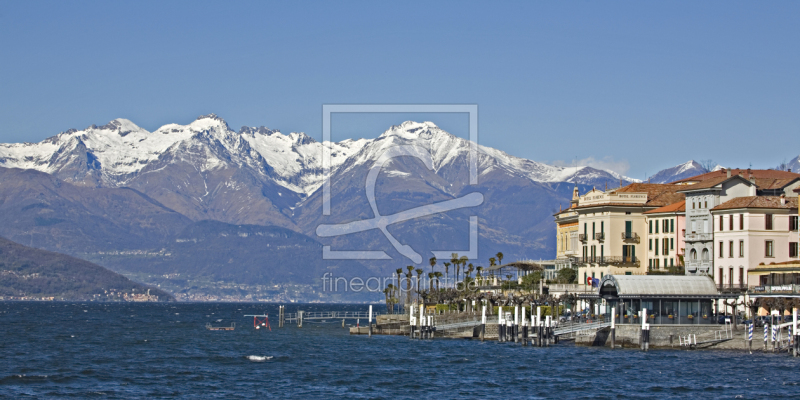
[(666, 230), (753, 230)]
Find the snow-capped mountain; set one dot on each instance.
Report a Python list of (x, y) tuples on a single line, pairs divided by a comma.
[(120, 152), (678, 172), (793, 165)]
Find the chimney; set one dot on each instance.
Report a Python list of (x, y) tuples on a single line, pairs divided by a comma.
[(752, 186), (783, 199), (729, 173)]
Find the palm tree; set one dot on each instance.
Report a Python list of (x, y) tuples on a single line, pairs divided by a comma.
[(430, 281), (447, 269), (433, 263), (454, 261), (499, 257), (419, 272), (409, 275), (479, 268), (463, 261), (388, 293), (398, 271), (438, 275)]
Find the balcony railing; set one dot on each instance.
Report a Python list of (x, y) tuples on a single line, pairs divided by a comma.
[(582, 237), (627, 261), (600, 236), (732, 287), (699, 237), (630, 236), (695, 265)]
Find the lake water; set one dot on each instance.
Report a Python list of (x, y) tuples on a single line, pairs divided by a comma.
[(122, 350)]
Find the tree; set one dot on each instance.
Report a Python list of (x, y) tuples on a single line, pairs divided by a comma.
[(454, 261), (419, 272), (567, 275), (531, 281), (447, 269), (479, 268), (433, 263), (409, 275), (430, 281), (463, 262), (399, 271), (438, 275), (708, 164)]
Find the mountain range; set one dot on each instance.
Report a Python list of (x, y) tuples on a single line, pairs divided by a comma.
[(154, 204)]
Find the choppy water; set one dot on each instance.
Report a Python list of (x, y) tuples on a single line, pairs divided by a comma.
[(93, 350)]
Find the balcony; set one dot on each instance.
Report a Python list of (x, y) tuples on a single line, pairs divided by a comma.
[(699, 237), (732, 287), (698, 265), (630, 237), (626, 261), (582, 237), (600, 236)]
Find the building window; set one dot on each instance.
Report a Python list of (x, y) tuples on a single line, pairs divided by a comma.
[(793, 222), (693, 206), (768, 222), (650, 244), (671, 264), (793, 249), (656, 226), (672, 243), (768, 249), (720, 276), (730, 249), (672, 226), (666, 247), (651, 227), (741, 222), (741, 276), (602, 230), (730, 223), (705, 204), (593, 232), (720, 223), (721, 250), (656, 246), (650, 264), (741, 248)]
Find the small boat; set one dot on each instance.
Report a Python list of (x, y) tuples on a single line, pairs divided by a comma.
[(221, 328)]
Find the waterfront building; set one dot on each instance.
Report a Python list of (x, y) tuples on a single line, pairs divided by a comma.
[(668, 299), (706, 191), (567, 243), (752, 231), (666, 227), (774, 281), (612, 227)]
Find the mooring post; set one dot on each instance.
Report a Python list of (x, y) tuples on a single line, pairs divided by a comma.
[(515, 328), (642, 339), (281, 316), (539, 326), (411, 322), (645, 331), (483, 323), (795, 336), (774, 338), (524, 327), (369, 329), (500, 323), (766, 333), (613, 329), (750, 338)]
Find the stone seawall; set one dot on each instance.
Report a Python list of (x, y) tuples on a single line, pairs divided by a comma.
[(667, 336)]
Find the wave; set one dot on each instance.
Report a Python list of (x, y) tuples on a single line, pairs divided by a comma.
[(259, 358)]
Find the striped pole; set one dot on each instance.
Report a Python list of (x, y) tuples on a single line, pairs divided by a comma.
[(750, 337), (774, 337)]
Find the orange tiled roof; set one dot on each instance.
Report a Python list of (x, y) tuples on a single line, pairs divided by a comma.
[(658, 194), (746, 173), (674, 207), (757, 202)]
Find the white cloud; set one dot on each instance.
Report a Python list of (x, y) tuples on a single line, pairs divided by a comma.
[(607, 163)]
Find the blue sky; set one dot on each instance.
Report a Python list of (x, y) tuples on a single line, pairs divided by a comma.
[(638, 86)]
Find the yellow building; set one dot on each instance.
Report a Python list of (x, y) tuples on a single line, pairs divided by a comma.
[(567, 244), (612, 228)]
